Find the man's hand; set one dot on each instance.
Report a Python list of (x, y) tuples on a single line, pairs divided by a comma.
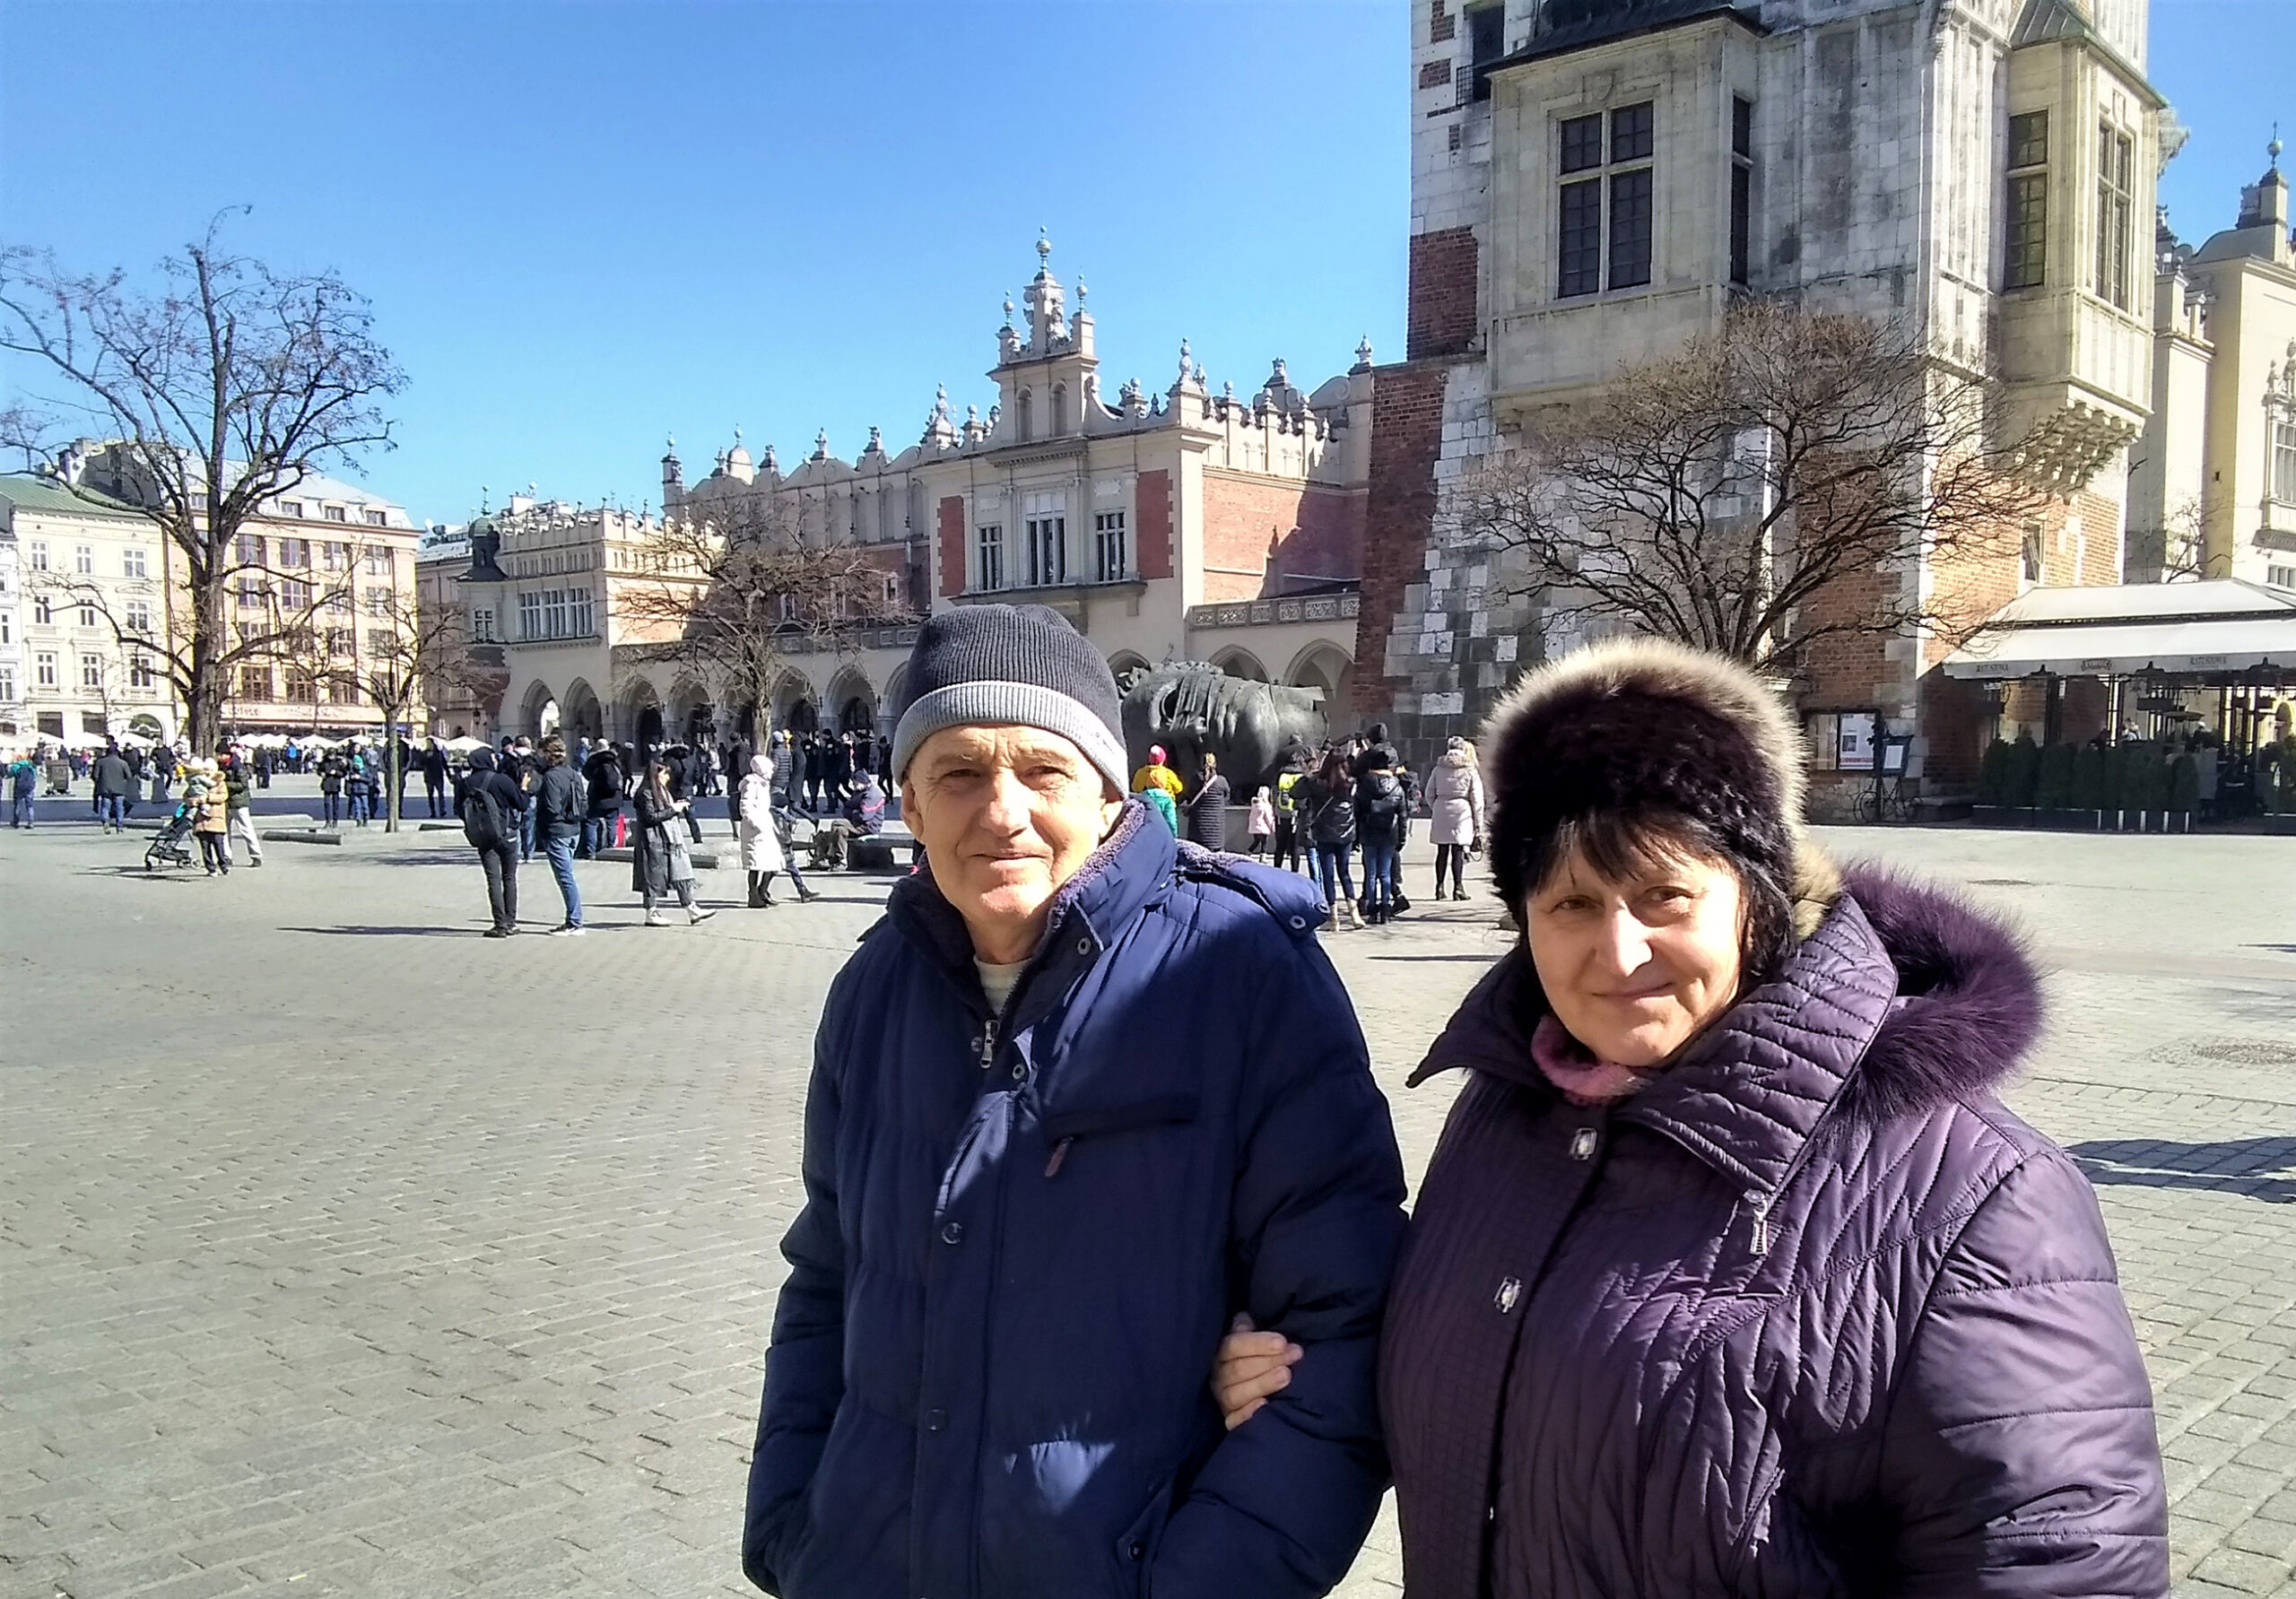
[(1251, 1365)]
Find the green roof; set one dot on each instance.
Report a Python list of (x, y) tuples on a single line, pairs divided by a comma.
[(27, 493)]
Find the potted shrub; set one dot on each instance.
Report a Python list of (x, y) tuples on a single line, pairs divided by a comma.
[(2089, 772), (2184, 789), (2023, 774), (2052, 786), (1992, 783)]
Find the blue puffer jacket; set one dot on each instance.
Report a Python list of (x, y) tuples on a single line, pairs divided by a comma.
[(1021, 1245)]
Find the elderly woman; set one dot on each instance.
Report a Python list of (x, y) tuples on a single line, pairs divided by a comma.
[(754, 825), (1730, 1275)]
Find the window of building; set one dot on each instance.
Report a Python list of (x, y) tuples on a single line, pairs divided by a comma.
[(342, 689), (2025, 264), (87, 617), (2032, 553), (2279, 576), (335, 513), (295, 552), (582, 612), (2283, 460), (2115, 183), (300, 688), (481, 624), (36, 552), (334, 557), (140, 675), (1742, 188), (7, 626), (291, 508), (339, 642), (43, 611), (378, 561), (44, 668), (377, 519), (338, 601), (294, 595), (529, 614), (83, 559), (554, 613), (1047, 550), (1605, 215), (131, 562), (378, 602), (989, 538), (1024, 417), (1109, 563), (1486, 45), (249, 548), (92, 672), (255, 682), (892, 591), (139, 616), (7, 683)]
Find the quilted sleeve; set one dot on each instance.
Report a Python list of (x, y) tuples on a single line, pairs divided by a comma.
[(2020, 1458), (805, 1366), (1285, 1501)]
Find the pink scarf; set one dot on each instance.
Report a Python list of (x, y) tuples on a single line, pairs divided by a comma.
[(1583, 1077)]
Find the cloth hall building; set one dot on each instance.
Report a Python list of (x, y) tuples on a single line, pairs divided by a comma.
[(1182, 524)]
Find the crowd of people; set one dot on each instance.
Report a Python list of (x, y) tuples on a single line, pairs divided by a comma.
[(1353, 801)]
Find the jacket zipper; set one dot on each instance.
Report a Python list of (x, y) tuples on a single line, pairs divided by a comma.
[(1761, 1202)]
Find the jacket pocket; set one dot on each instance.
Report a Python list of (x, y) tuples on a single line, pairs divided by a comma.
[(1136, 1547)]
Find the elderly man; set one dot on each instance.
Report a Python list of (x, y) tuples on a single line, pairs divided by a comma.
[(1084, 1095)]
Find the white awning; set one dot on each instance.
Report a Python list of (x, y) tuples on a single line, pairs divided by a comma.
[(2184, 629)]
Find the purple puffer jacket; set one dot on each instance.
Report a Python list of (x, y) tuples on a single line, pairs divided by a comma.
[(1810, 1315)]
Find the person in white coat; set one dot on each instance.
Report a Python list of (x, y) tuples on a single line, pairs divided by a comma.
[(1455, 802), (762, 855)]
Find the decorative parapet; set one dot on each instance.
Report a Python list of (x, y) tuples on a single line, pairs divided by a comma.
[(900, 638), (1251, 613)]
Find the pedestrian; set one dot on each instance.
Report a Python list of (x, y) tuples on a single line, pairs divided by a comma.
[(1207, 808), (333, 769), (1730, 1274), (1156, 774), (239, 798), (525, 769), (488, 805), (1291, 851), (1454, 804), (1260, 820), (358, 788), (661, 862), (163, 773), (1409, 782), (113, 782), (433, 761), (23, 783), (735, 757), (263, 767), (1379, 810), (210, 804), (1328, 812), (782, 795), (602, 779), (752, 805), (988, 1090), (557, 801), (1371, 752)]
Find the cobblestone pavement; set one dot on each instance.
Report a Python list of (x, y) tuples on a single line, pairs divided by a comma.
[(344, 1253)]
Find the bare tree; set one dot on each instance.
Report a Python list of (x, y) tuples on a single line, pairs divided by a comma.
[(736, 595), (409, 656), (223, 389), (2169, 548), (1743, 493)]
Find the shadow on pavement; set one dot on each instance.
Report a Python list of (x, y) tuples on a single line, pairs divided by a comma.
[(2260, 1167), (393, 932)]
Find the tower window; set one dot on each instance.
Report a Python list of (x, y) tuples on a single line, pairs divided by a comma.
[(2025, 264), (2116, 159), (990, 540), (1606, 214), (1486, 43), (1742, 188)]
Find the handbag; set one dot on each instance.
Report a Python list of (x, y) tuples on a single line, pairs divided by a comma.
[(681, 861)]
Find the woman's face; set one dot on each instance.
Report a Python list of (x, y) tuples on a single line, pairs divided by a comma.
[(1637, 968)]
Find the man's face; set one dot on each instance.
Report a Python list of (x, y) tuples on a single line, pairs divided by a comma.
[(1006, 816)]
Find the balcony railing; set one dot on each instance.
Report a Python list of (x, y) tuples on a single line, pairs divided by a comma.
[(1251, 613)]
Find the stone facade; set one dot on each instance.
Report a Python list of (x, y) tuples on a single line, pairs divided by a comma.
[(1177, 524), (1853, 154), (2214, 493), (64, 675)]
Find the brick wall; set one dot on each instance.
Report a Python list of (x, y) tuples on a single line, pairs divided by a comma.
[(1443, 23), (1317, 533), (1151, 539), (1441, 316), (1399, 516), (952, 523)]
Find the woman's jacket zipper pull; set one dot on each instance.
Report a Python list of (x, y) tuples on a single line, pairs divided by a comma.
[(1059, 1153)]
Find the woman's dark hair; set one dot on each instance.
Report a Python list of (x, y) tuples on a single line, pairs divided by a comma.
[(1333, 771), (1625, 844)]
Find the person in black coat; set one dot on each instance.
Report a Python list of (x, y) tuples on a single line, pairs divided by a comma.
[(1207, 808), (494, 832), (603, 780)]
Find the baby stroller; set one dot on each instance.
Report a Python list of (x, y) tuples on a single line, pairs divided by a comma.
[(171, 845)]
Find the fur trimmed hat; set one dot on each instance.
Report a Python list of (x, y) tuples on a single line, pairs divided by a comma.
[(1651, 728)]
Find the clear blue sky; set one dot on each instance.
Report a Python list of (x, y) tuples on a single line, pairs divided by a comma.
[(583, 225)]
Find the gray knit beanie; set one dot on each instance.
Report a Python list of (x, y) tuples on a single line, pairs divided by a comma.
[(1013, 665)]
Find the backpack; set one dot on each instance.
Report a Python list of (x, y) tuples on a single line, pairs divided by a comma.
[(484, 822), (1286, 801), (1383, 799)]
